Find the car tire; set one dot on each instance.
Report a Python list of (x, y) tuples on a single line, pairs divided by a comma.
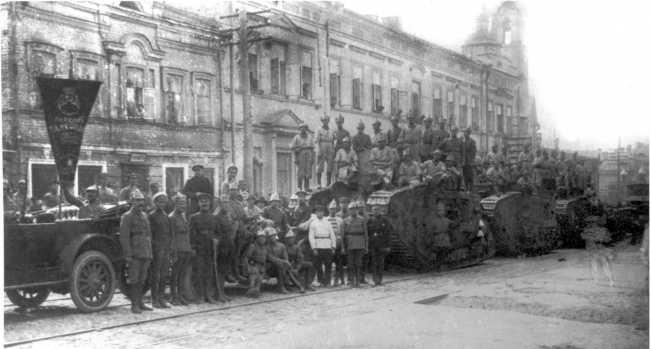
[(30, 297), (92, 282)]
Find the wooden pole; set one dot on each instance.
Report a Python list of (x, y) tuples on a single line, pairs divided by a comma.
[(247, 149)]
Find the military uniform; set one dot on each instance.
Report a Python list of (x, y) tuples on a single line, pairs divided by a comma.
[(346, 164), (194, 185), (409, 173), (303, 148), (326, 153), (411, 139), (182, 251), (256, 257), (279, 217), (394, 138), (339, 135), (162, 247), (135, 238), (356, 244), (379, 231), (337, 224), (304, 269), (468, 153), (202, 233)]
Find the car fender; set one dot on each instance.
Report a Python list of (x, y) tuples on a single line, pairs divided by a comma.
[(93, 240)]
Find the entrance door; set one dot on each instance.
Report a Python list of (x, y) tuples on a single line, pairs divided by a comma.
[(285, 177)]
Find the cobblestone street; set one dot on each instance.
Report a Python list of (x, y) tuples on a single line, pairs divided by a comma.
[(543, 302)]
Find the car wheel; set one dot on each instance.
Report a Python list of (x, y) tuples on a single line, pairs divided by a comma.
[(28, 297), (93, 281)]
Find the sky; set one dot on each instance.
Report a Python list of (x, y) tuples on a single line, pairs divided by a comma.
[(589, 61)]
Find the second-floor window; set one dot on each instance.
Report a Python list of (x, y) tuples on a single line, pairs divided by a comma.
[(395, 95), (415, 98), (451, 105), (500, 118), (306, 75), (278, 76), (376, 92), (174, 98), (437, 104), (357, 88), (134, 85), (202, 89), (490, 122), (335, 84), (463, 111), (474, 111), (253, 71)]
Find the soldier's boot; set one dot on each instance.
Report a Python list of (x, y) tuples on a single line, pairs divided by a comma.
[(209, 294), (139, 287), (221, 294), (161, 296), (133, 296)]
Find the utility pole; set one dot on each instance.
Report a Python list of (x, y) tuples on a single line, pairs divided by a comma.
[(619, 188)]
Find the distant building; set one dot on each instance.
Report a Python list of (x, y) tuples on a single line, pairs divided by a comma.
[(163, 106)]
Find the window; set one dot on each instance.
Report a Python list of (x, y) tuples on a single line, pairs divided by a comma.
[(357, 88), (335, 84), (451, 105), (509, 121), (395, 96), (415, 98), (174, 176), (86, 69), (134, 84), (202, 92), (507, 33), (41, 62), (463, 111), (42, 173), (376, 92), (474, 110), (174, 98), (500, 118), (306, 75), (490, 122), (278, 76), (437, 105), (253, 72), (152, 78)]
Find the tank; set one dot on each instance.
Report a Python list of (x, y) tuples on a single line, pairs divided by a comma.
[(522, 223), (412, 214), (571, 214)]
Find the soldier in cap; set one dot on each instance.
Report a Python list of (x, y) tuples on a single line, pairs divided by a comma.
[(337, 224), (412, 137), (302, 212), (344, 201), (468, 153), (233, 211), (452, 146), (181, 249), (106, 194), (325, 149), (303, 147), (323, 241), (231, 178), (301, 269), (340, 133), (197, 184), (409, 171), (355, 244), (91, 208), (394, 135), (255, 259), (361, 141), (377, 132), (379, 231), (202, 232), (440, 135), (428, 144), (384, 160), (132, 185), (276, 214), (278, 265), (135, 238), (346, 162), (229, 240), (161, 231)]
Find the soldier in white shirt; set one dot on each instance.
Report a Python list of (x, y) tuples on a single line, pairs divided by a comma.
[(323, 242)]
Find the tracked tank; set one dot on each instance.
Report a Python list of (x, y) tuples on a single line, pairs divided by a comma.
[(522, 223), (432, 228), (571, 214)]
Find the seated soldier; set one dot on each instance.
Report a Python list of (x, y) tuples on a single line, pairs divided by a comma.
[(277, 256), (346, 162), (383, 159), (255, 259), (434, 169), (90, 209), (299, 268), (409, 170), (453, 171)]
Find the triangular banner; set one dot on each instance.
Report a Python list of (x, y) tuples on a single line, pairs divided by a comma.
[(66, 104)]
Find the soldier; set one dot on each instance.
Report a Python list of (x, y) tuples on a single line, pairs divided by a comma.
[(326, 151), (394, 135), (340, 133), (355, 243), (202, 233), (412, 138), (384, 160), (197, 184), (452, 146), (346, 162), (251, 210), (337, 224), (302, 270), (440, 135), (106, 194), (135, 238), (227, 250), (409, 171), (125, 192), (379, 231), (237, 234), (429, 141), (361, 141), (492, 156), (303, 147), (377, 132), (468, 153), (231, 178), (278, 265), (255, 259), (303, 211), (323, 242), (51, 198), (161, 243), (89, 209), (181, 250), (275, 213), (343, 203)]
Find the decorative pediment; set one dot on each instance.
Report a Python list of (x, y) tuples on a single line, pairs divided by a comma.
[(284, 118), (282, 21), (149, 51)]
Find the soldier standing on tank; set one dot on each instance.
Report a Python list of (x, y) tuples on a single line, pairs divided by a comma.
[(326, 151), (468, 153), (428, 140), (202, 233), (181, 250), (379, 231), (377, 133), (161, 243), (303, 147), (346, 162), (194, 185), (412, 137), (394, 135), (340, 133), (361, 141), (135, 238), (355, 243)]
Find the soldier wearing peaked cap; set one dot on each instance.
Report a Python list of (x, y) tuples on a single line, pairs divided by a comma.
[(181, 248), (361, 141), (411, 138), (202, 232), (276, 214), (303, 147), (340, 133), (91, 208), (337, 224), (325, 151), (355, 243), (377, 132), (346, 162), (161, 230), (135, 238), (197, 184)]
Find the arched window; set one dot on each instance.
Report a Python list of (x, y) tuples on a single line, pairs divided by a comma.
[(507, 33)]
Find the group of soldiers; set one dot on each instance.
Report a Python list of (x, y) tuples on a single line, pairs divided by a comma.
[(397, 157)]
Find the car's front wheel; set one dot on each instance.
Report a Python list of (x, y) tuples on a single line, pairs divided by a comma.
[(29, 297), (93, 281)]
